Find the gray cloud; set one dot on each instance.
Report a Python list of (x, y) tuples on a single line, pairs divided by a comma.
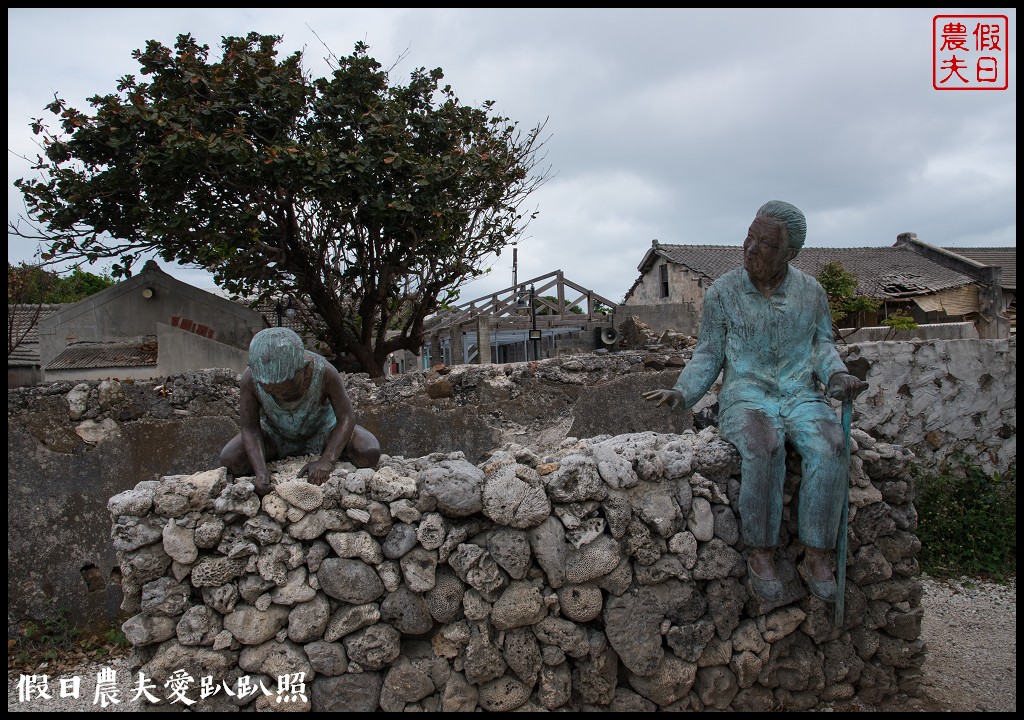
[(670, 124)]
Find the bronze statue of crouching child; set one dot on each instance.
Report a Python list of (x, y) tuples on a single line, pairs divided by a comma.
[(293, 402)]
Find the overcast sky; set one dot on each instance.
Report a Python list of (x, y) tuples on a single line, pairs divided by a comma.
[(671, 124)]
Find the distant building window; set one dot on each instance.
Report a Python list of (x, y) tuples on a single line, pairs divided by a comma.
[(664, 281)]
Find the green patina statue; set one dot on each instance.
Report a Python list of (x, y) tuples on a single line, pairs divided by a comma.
[(293, 402), (767, 326)]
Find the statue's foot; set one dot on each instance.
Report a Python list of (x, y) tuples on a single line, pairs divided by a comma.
[(763, 576), (818, 575)]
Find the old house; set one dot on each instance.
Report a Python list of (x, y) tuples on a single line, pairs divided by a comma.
[(1005, 260), (151, 325), (932, 285)]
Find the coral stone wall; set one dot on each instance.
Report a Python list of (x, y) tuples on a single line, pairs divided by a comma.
[(608, 575)]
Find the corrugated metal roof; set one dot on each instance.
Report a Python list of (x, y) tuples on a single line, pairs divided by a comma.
[(103, 355), (882, 272), (1003, 257)]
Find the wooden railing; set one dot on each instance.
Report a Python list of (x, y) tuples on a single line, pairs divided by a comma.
[(510, 307)]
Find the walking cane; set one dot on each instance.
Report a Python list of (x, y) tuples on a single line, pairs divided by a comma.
[(844, 518)]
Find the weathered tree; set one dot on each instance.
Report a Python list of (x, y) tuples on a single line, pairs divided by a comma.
[(372, 201), (898, 320), (843, 300)]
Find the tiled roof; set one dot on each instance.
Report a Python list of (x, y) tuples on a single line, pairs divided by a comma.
[(882, 272), (24, 356), (21, 318), (887, 272), (1004, 257), (103, 355), (711, 261)]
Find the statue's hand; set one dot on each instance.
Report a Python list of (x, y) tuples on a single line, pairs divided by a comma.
[(672, 398), (318, 470), (843, 386), (262, 483)]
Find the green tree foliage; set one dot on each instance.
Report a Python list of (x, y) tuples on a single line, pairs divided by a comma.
[(841, 287), (898, 320), (372, 201), (843, 301), (967, 521), (76, 286)]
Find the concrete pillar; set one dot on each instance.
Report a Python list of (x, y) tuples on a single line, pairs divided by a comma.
[(993, 323), (457, 345), (435, 348), (483, 340)]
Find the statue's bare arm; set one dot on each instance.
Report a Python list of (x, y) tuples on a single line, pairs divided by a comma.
[(252, 434)]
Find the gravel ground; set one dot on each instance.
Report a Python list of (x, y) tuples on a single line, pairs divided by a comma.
[(970, 628), (971, 632)]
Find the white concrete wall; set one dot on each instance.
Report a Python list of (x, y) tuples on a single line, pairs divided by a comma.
[(181, 351), (942, 397), (933, 331), (684, 286)]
